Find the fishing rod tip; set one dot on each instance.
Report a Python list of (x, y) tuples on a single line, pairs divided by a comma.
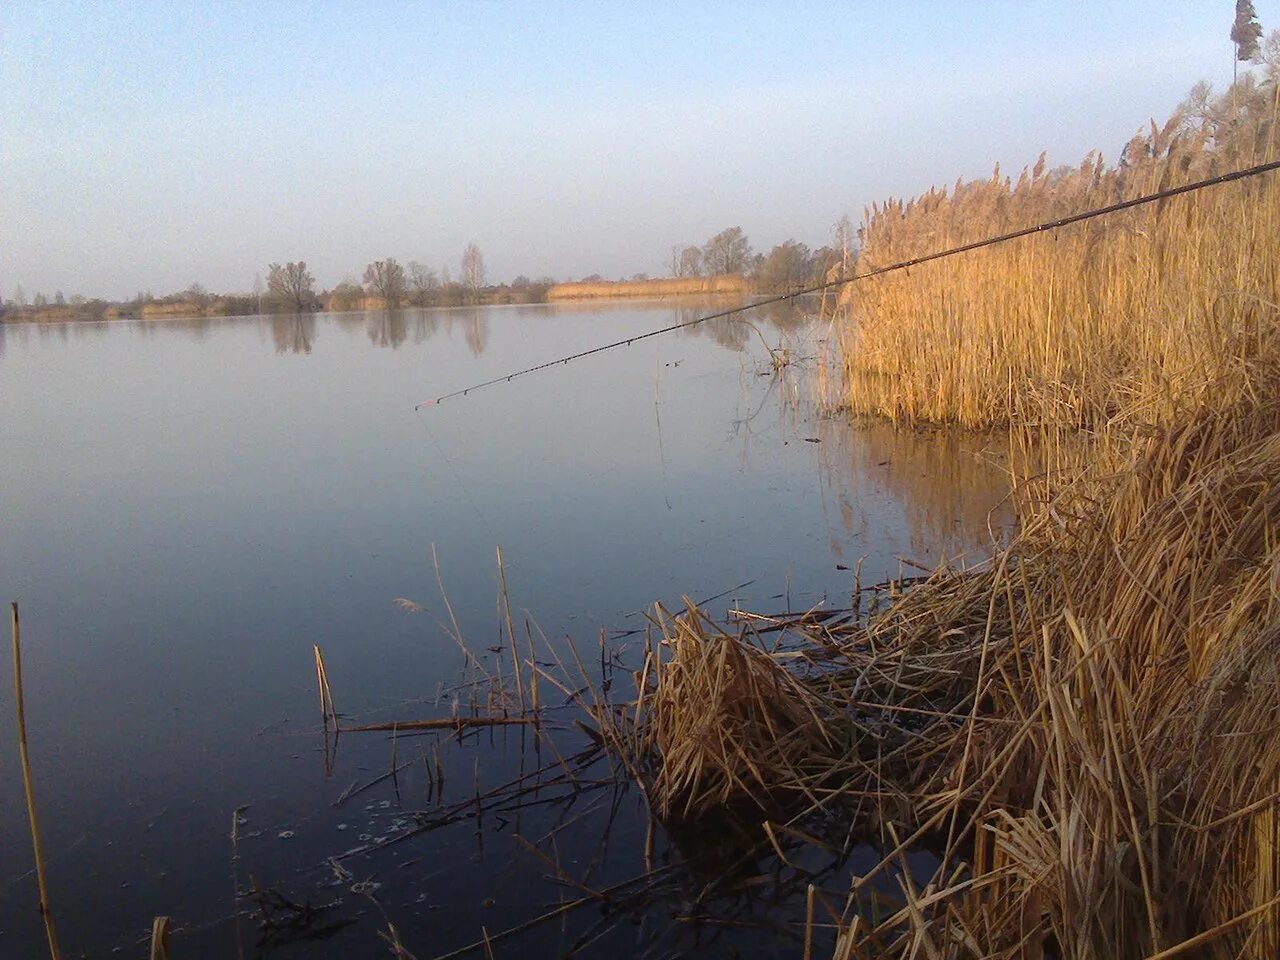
[(425, 403)]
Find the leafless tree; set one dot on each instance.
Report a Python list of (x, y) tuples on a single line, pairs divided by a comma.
[(423, 282), (844, 239), (291, 285), (473, 271), (386, 279), (786, 268), (198, 296), (347, 295), (727, 252), (690, 262)]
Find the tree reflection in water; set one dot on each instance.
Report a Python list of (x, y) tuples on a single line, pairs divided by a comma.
[(736, 332), (388, 328), (293, 332), (477, 332)]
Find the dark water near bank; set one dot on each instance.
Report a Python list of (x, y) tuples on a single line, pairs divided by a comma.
[(186, 507)]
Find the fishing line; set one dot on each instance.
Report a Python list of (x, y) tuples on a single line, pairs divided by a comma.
[(878, 271)]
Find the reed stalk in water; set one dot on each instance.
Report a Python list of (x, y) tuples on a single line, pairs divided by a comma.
[(46, 913)]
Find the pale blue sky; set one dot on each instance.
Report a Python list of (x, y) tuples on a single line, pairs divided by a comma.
[(147, 146)]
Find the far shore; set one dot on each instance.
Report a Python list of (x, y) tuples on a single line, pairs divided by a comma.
[(561, 295)]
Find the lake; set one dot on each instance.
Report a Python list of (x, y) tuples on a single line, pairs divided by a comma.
[(186, 507)]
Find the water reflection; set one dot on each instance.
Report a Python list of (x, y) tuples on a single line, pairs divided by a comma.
[(293, 333), (388, 328), (930, 496), (477, 332), (392, 329), (197, 327), (950, 488), (739, 331), (425, 325)]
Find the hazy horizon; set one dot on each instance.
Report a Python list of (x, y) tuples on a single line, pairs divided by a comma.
[(147, 147)]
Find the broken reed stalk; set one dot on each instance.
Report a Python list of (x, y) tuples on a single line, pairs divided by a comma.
[(327, 711), (160, 939), (442, 723), (46, 913)]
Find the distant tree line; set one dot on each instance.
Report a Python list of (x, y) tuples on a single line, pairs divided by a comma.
[(790, 265), (290, 287), (389, 284)]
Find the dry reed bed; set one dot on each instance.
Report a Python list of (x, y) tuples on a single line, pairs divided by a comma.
[(1088, 730), (661, 287), (1118, 318)]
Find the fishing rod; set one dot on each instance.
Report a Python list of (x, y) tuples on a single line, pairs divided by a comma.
[(878, 271)]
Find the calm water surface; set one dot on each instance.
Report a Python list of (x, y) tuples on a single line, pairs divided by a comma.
[(187, 506)]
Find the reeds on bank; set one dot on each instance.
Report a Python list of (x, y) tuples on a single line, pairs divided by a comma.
[(1130, 316), (719, 284), (1086, 733)]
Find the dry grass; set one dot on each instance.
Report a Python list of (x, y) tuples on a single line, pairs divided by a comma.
[(1087, 731), (663, 287)]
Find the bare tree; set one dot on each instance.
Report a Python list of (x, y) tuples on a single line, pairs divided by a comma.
[(197, 296), (423, 282), (844, 236), (291, 285), (347, 295), (257, 292), (19, 295), (727, 252), (386, 279), (787, 267), (1270, 54), (473, 271), (690, 263)]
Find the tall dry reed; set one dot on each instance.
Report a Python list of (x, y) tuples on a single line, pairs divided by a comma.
[(1130, 317)]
